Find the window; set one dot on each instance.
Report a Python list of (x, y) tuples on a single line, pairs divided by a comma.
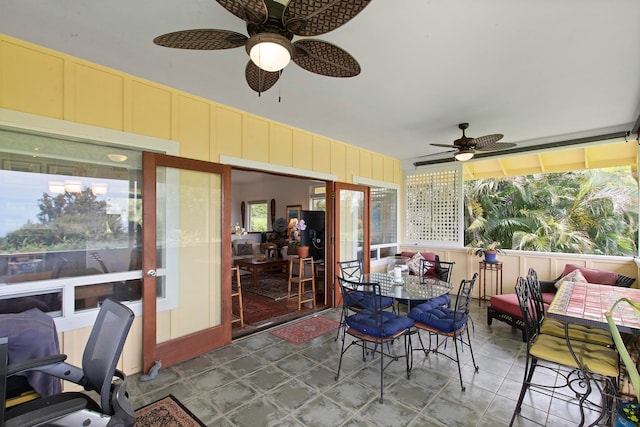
[(71, 220), (383, 220), (258, 216), (318, 198), (590, 211)]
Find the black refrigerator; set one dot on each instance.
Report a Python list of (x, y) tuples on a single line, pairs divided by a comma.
[(314, 235)]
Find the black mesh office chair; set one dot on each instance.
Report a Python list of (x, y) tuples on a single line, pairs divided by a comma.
[(97, 374)]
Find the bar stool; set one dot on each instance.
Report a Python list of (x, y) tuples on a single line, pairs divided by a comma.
[(304, 264), (237, 293)]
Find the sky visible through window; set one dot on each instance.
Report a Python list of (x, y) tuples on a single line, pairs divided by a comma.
[(21, 191)]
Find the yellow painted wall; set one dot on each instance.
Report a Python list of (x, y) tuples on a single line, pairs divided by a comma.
[(41, 81)]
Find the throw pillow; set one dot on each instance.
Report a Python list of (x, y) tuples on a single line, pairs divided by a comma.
[(574, 276), (600, 277), (414, 263), (235, 243), (245, 249)]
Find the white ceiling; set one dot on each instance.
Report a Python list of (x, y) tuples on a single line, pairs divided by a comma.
[(537, 71)]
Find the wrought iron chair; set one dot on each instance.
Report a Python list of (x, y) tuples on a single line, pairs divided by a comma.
[(556, 328), (372, 325), (441, 270), (449, 323), (99, 360), (352, 270), (580, 365)]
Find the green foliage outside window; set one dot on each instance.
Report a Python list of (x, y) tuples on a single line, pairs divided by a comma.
[(589, 212), (258, 217), (67, 221)]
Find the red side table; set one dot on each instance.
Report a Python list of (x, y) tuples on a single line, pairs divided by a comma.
[(495, 275)]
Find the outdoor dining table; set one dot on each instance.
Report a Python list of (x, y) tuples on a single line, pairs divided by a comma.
[(409, 288), (586, 304)]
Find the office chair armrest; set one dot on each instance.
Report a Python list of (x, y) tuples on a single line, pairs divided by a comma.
[(33, 364), (51, 365)]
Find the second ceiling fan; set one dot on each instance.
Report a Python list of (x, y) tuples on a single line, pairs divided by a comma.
[(465, 146), (271, 26)]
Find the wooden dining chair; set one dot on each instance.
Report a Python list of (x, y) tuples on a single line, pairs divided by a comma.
[(305, 276), (237, 293)]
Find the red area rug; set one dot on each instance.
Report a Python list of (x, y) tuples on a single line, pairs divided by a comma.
[(257, 308), (306, 329), (166, 412)]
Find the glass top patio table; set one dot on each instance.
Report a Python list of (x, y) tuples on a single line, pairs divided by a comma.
[(586, 304), (411, 287)]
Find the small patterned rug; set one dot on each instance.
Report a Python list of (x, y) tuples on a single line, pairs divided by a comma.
[(166, 412), (306, 329), (258, 309), (272, 286)]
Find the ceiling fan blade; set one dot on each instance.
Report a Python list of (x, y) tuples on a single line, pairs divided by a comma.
[(325, 59), (496, 146), (445, 145), (252, 11), (313, 17), (482, 141), (258, 79), (201, 39)]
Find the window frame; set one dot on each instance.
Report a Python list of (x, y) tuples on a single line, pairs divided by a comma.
[(377, 251), (268, 227), (29, 124)]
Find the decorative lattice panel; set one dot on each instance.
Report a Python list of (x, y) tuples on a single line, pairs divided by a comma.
[(433, 206)]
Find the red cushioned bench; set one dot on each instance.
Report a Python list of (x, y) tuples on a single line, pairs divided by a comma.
[(507, 309)]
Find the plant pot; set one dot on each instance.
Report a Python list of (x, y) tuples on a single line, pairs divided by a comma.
[(490, 256), (303, 251), (627, 414)]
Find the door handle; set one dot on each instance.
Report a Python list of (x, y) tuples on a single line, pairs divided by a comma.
[(151, 273)]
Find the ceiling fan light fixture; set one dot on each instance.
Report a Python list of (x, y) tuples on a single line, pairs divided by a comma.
[(464, 155), (269, 51)]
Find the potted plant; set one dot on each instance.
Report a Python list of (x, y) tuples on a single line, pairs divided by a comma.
[(489, 251), (627, 413), (302, 250)]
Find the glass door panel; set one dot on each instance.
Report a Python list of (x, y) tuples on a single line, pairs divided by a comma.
[(351, 227), (184, 276)]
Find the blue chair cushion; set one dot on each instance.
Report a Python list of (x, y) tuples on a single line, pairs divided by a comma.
[(367, 322), (357, 299), (438, 317), (441, 300)]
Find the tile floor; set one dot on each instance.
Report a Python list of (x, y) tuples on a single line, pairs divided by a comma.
[(262, 380)]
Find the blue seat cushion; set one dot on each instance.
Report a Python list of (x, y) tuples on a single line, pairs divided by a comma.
[(438, 317), (367, 322), (441, 300), (358, 299)]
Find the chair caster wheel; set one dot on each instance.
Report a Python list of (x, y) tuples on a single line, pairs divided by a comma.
[(464, 388)]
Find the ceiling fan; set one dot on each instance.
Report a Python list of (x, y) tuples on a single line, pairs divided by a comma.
[(271, 27), (465, 146)]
